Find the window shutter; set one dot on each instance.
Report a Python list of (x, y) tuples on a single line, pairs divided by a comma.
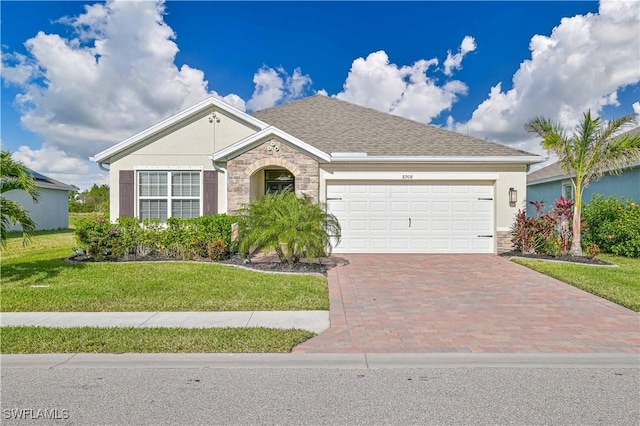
[(210, 192), (127, 192)]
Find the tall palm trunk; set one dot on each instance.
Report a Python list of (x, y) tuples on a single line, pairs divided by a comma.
[(576, 241)]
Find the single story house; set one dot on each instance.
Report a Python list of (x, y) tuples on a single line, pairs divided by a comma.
[(551, 182), (396, 185), (52, 209)]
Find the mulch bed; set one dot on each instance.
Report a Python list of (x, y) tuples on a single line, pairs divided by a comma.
[(265, 264), (566, 258), (259, 263)]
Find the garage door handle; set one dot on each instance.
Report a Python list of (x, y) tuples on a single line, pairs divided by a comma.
[(485, 199), (409, 222), (332, 199), (485, 236)]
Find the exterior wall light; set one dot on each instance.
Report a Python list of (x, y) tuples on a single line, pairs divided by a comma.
[(513, 197)]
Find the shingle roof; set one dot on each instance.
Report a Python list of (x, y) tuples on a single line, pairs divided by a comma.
[(333, 125), (552, 170), (42, 179)]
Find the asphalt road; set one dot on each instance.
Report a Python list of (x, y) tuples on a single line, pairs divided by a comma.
[(435, 395)]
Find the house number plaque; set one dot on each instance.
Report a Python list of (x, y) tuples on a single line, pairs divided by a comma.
[(407, 176)]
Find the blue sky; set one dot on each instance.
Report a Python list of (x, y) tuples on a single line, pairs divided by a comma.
[(100, 72)]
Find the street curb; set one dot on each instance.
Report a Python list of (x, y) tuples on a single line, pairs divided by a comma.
[(305, 360)]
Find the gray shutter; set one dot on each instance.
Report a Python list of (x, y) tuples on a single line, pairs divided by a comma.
[(127, 192), (210, 192)]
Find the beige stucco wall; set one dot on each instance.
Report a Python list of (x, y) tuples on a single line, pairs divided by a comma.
[(188, 144), (502, 176)]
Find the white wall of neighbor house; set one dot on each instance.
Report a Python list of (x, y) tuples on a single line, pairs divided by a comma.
[(502, 176), (51, 211), (188, 144)]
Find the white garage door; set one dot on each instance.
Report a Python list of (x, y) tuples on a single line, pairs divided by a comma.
[(413, 218)]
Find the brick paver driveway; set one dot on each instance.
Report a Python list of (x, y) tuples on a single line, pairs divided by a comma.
[(465, 303)]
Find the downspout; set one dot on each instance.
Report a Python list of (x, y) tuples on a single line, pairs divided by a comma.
[(102, 167)]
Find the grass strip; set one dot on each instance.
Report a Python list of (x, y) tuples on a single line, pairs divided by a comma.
[(40, 340), (620, 285)]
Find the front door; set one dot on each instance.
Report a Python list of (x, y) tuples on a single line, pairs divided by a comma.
[(276, 181)]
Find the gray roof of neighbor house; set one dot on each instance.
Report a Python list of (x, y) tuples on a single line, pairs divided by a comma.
[(555, 170), (47, 182), (333, 125)]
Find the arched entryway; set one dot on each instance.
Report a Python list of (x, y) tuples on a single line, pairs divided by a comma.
[(271, 180)]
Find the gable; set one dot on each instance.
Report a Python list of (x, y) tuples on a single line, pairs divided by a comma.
[(199, 130)]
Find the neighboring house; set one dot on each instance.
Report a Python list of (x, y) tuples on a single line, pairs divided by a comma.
[(52, 209), (396, 185), (551, 182)]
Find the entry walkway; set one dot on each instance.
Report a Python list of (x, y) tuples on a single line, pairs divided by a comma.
[(316, 321)]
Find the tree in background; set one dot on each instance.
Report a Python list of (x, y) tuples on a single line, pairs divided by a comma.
[(95, 199), (594, 148), (15, 176)]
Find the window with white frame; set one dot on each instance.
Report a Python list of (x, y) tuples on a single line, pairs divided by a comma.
[(164, 194)]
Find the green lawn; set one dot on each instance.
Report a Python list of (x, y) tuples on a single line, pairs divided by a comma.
[(40, 340), (35, 278), (620, 285)]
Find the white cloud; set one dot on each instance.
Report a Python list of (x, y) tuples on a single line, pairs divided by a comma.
[(112, 77), (454, 62), (54, 163), (275, 86), (582, 65), (636, 111), (407, 91)]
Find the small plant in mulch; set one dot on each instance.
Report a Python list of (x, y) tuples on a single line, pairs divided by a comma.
[(548, 235)]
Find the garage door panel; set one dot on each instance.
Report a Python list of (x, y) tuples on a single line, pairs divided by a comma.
[(440, 207), (461, 207), (444, 218), (358, 206), (440, 189), (378, 207), (419, 225), (379, 243), (441, 225), (378, 225), (418, 207), (483, 226), (358, 225), (399, 224), (461, 225), (399, 207)]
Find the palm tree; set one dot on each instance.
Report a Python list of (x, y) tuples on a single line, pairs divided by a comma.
[(292, 226), (595, 147), (15, 175)]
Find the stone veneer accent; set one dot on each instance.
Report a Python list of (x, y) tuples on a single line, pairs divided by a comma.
[(504, 242), (304, 169)]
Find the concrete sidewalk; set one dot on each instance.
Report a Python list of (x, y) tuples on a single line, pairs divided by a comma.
[(316, 321)]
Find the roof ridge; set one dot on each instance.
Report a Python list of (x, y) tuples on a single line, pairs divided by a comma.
[(350, 104)]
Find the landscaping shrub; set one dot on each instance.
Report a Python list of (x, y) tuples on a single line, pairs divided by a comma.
[(547, 233), (613, 225), (97, 236), (294, 227), (204, 237)]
